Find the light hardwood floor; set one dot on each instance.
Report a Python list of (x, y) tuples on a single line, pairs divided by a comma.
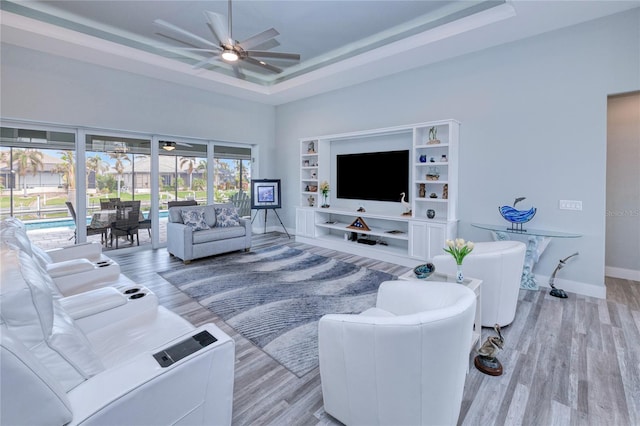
[(572, 361)]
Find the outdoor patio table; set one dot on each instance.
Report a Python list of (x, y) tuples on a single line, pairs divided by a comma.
[(104, 218)]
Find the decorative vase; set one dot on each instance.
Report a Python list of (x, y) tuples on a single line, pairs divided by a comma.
[(324, 201), (431, 213), (459, 274)]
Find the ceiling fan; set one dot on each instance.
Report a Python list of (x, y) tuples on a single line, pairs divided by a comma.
[(227, 48)]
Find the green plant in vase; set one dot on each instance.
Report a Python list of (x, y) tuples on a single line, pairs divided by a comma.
[(459, 249), (324, 189)]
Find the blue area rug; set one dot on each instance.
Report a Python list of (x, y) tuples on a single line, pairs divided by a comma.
[(275, 297)]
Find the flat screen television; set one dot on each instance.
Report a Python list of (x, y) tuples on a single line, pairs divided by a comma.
[(375, 176)]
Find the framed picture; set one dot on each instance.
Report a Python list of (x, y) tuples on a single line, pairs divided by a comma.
[(265, 194)]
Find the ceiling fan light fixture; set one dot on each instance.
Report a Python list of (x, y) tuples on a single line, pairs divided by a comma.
[(168, 145), (230, 55)]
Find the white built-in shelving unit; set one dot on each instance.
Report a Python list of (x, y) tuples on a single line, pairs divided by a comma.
[(403, 239)]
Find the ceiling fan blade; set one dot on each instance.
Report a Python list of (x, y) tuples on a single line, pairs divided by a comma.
[(267, 45), (259, 38), (238, 72), (197, 49), (263, 64), (185, 33), (219, 27), (278, 55)]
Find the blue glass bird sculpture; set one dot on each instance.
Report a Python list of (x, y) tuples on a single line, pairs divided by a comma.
[(517, 217)]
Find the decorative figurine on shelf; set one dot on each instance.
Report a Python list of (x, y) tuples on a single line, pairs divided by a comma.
[(422, 192), (314, 175), (406, 205), (311, 201), (431, 213), (423, 158), (433, 173), (361, 209), (558, 292), (306, 163), (432, 159), (445, 191), (433, 136), (443, 159), (311, 148), (486, 360), (517, 217), (324, 188), (433, 195)]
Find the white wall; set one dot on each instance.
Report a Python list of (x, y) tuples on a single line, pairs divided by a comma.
[(533, 117), (41, 87), (623, 187)]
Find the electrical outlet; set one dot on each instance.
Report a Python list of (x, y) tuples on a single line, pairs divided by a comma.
[(570, 205)]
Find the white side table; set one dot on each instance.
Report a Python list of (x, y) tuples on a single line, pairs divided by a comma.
[(472, 283)]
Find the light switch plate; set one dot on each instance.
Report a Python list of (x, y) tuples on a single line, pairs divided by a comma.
[(570, 205)]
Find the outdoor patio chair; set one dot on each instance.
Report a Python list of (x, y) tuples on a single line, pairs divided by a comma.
[(182, 203), (127, 221), (90, 231), (242, 202), (145, 224), (108, 203)]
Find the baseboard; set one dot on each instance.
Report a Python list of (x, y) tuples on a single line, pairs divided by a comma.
[(584, 289), (625, 274)]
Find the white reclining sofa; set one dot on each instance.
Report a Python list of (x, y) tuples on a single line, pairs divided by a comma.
[(109, 356), (74, 269)]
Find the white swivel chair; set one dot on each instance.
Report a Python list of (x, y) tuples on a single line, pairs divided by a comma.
[(403, 362), (499, 265)]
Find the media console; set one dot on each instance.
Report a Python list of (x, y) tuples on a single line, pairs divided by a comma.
[(398, 239), (394, 237)]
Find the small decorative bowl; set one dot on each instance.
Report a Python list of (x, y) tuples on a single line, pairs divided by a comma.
[(425, 270)]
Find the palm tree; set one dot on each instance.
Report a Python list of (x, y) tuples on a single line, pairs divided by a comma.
[(67, 169), (202, 167), (27, 160), (190, 163), (223, 173), (96, 165), (119, 166)]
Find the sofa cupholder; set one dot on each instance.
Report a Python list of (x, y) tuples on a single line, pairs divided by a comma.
[(137, 296), (102, 262), (132, 290), (103, 265)]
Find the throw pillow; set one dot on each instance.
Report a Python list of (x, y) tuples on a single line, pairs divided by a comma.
[(194, 219), (227, 217)]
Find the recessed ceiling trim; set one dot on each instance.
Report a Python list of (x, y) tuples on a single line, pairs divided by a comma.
[(105, 52)]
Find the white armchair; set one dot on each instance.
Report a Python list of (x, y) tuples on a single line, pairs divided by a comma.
[(499, 265), (403, 362)]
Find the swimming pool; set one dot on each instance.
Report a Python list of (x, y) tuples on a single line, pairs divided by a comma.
[(30, 225)]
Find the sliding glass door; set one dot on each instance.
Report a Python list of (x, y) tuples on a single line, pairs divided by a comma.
[(182, 175), (37, 173)]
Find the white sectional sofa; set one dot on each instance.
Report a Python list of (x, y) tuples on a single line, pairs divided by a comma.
[(106, 356)]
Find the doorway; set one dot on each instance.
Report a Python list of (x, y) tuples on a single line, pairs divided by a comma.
[(622, 240)]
